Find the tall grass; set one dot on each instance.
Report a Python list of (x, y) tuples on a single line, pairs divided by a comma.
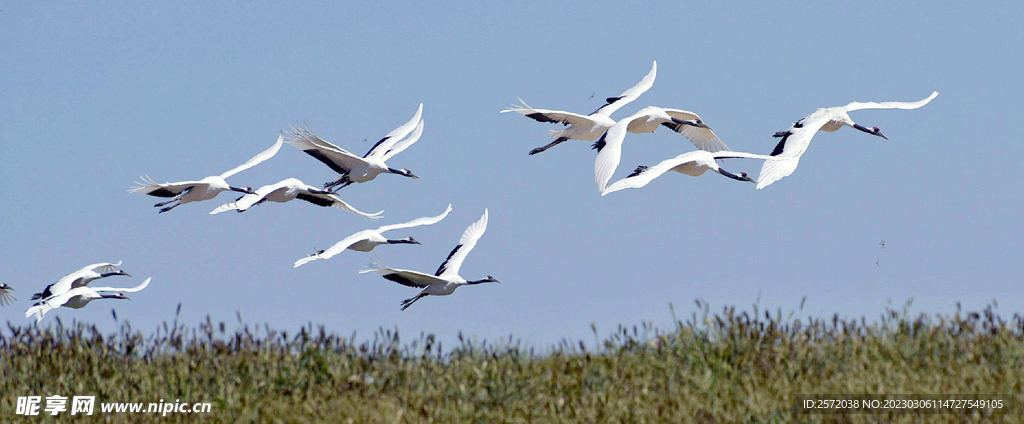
[(723, 367)]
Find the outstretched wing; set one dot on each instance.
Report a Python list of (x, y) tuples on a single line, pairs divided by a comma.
[(450, 267), (6, 298), (46, 305), (247, 201), (152, 188), (231, 206), (405, 142), (614, 103), (729, 154), (551, 116), (890, 105), (382, 146), (704, 138), (776, 169), (338, 159), (642, 177), (104, 268), (786, 155), (126, 290), (333, 201), (609, 151), (333, 250), (262, 156), (405, 277), (427, 220)]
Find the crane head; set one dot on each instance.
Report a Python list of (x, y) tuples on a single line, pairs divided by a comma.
[(403, 172), (878, 132), (246, 190), (872, 130)]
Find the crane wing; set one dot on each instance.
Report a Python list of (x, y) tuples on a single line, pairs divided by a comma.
[(614, 103), (406, 277), (6, 298), (104, 267), (262, 156), (126, 290), (609, 151), (890, 105), (231, 206), (382, 146), (641, 177), (405, 142), (152, 188), (333, 250), (50, 303), (332, 200), (703, 138), (450, 266), (248, 200), (786, 155), (338, 159), (775, 169), (552, 116), (427, 220), (738, 155)]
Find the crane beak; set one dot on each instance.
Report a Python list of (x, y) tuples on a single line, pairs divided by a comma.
[(879, 133)]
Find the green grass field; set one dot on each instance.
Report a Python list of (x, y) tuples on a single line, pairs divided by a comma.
[(719, 367)]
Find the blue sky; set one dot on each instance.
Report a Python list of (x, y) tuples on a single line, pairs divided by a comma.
[(95, 95)]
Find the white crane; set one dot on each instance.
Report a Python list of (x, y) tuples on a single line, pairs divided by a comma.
[(355, 169), (183, 192), (446, 279), (366, 240), (694, 164), (81, 278), (287, 190), (79, 297), (797, 138), (584, 127), (609, 146), (6, 298)]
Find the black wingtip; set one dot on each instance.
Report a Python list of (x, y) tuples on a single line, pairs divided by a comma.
[(375, 146), (779, 148), (600, 143), (540, 117), (639, 170)]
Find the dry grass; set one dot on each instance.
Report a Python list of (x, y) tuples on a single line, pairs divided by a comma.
[(723, 367)]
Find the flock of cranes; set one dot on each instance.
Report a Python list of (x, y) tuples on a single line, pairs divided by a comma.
[(72, 291), (781, 162)]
